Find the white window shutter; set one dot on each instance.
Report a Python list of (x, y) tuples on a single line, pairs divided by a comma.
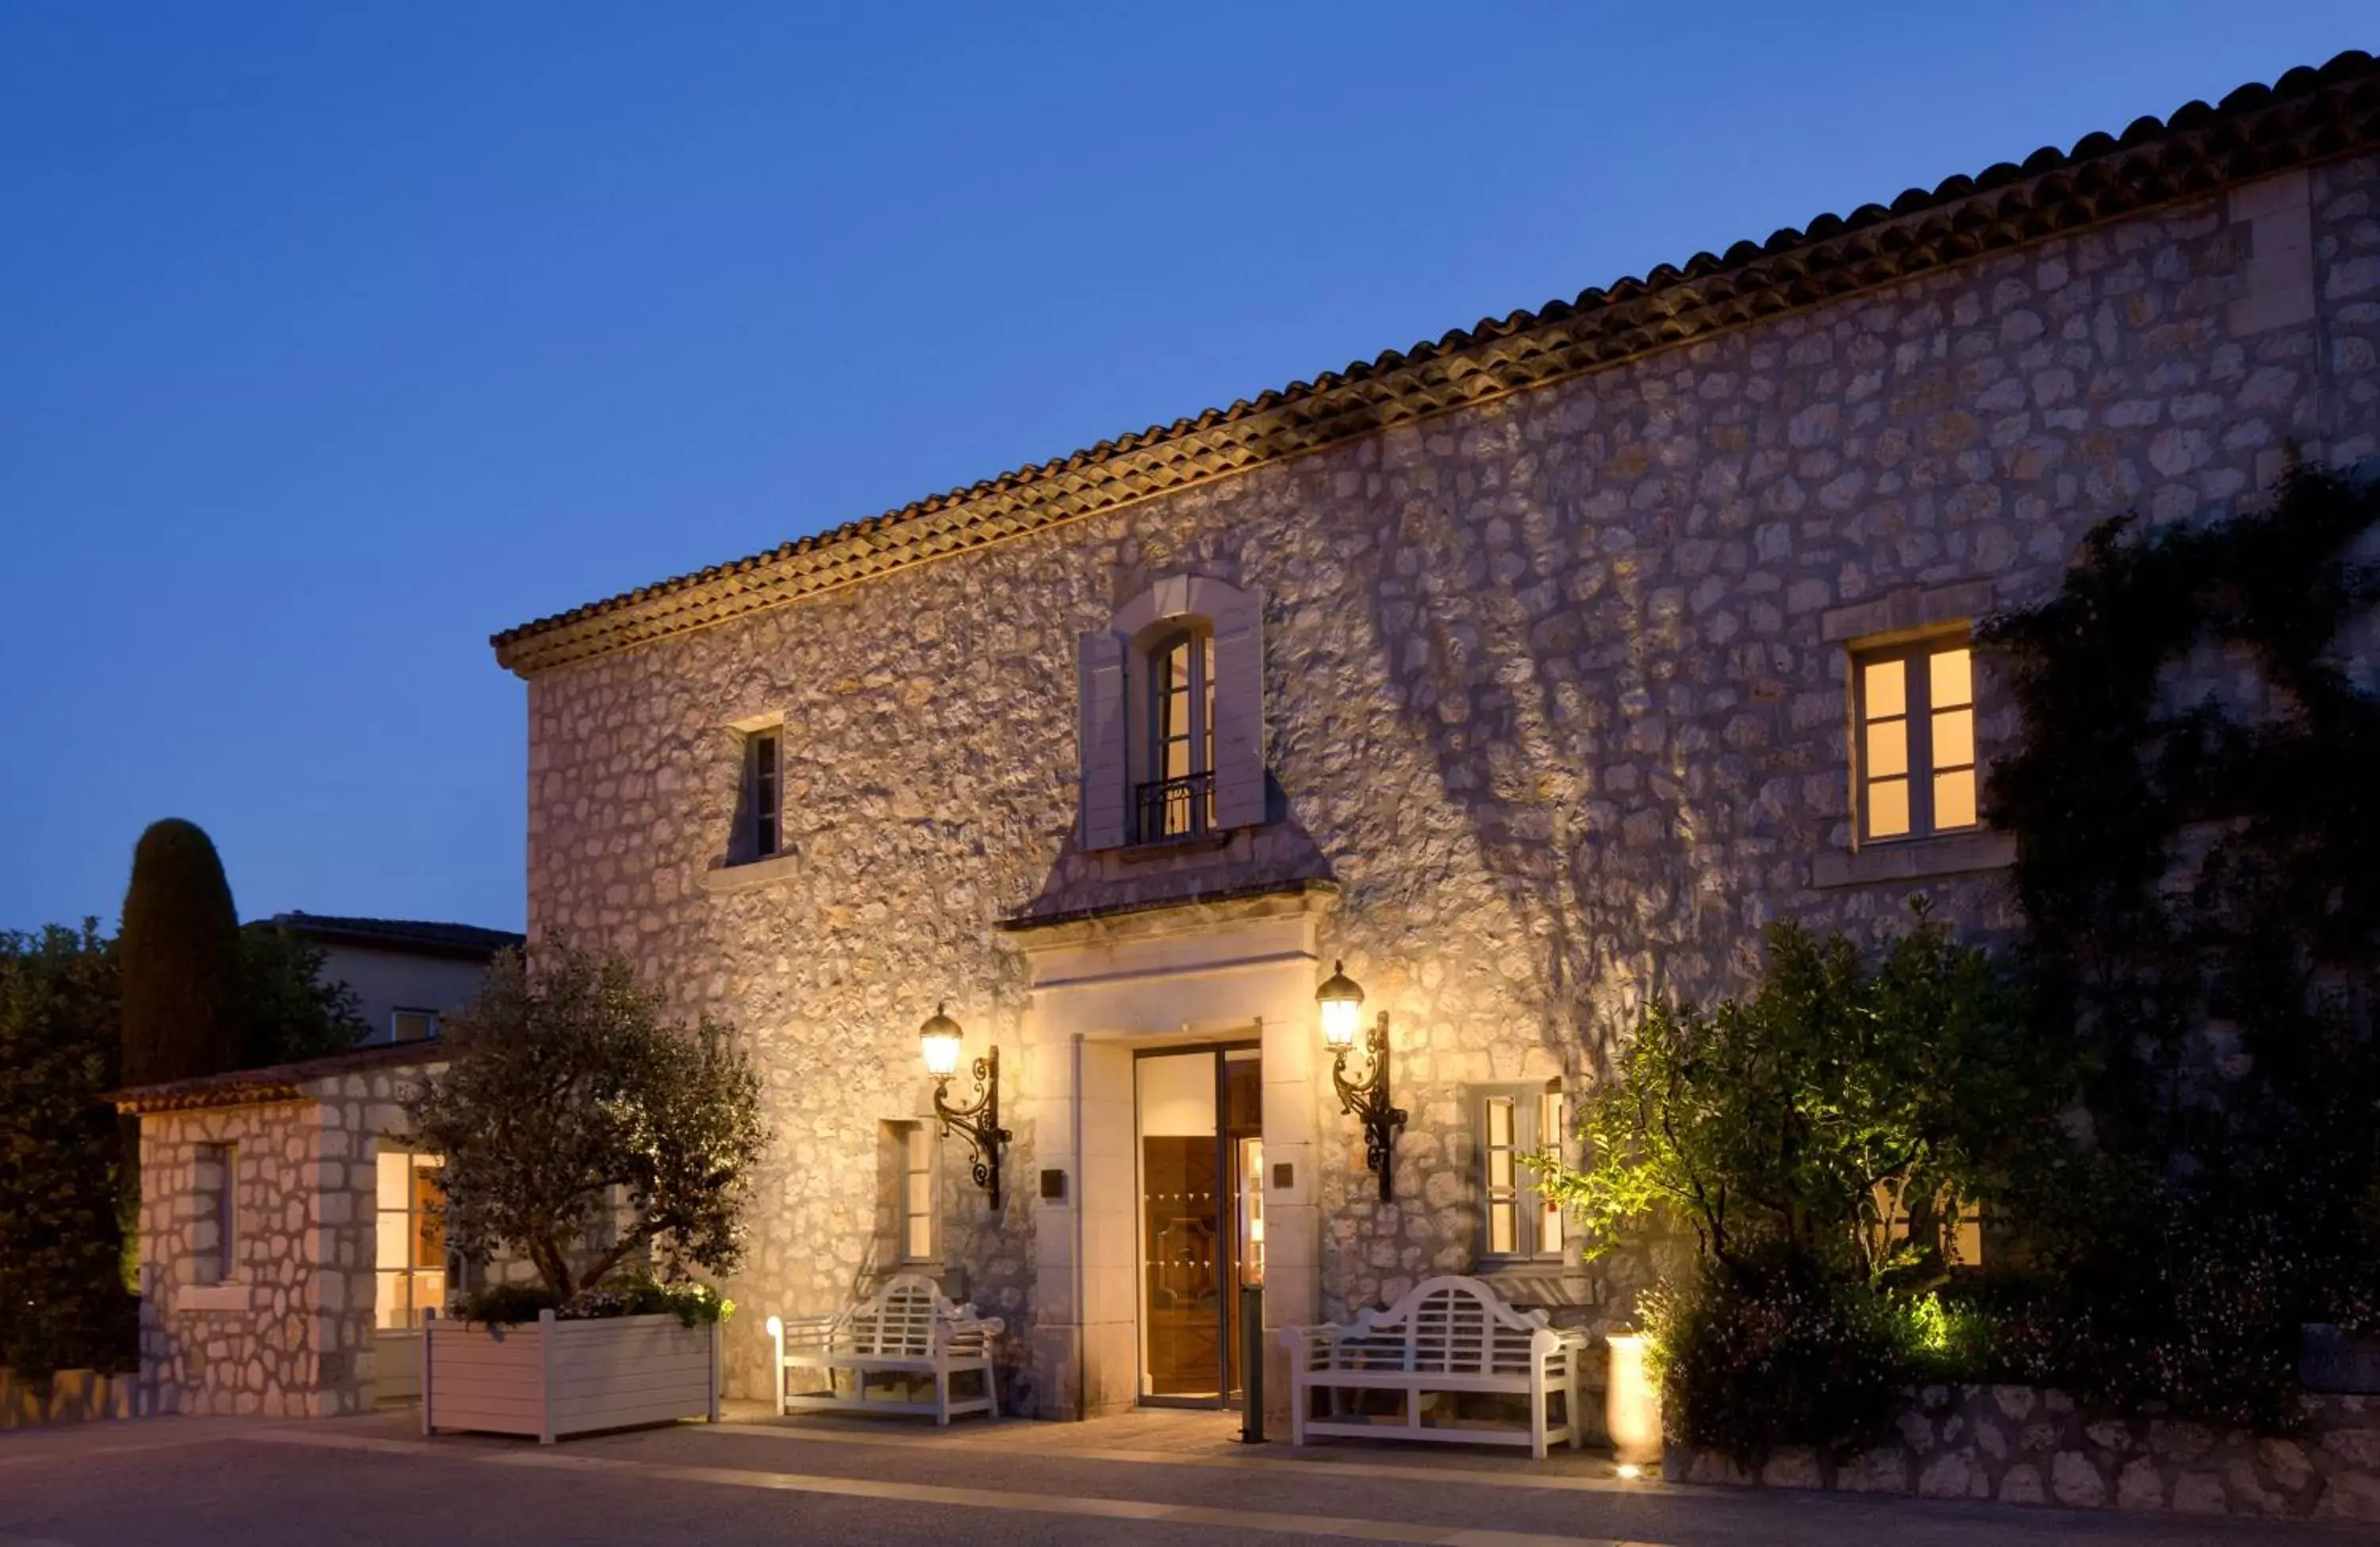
[(1099, 677), (1239, 711)]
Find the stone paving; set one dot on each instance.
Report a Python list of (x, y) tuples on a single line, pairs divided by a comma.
[(1158, 1477)]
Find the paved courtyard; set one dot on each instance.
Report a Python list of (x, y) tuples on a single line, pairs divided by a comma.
[(1159, 1479)]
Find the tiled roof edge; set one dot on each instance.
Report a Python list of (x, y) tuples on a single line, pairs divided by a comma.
[(279, 1082), (2308, 115)]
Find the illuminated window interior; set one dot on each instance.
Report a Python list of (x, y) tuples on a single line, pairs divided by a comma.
[(917, 1192), (410, 1271), (1916, 739), (1517, 1220)]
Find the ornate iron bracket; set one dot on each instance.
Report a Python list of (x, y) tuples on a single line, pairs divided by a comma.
[(978, 1121), (1368, 1099)]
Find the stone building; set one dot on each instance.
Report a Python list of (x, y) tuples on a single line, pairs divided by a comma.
[(1527, 673), (287, 1240)]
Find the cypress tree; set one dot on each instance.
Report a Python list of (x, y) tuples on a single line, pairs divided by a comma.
[(184, 972)]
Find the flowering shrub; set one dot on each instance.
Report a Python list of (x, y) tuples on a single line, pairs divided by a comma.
[(1773, 1351)]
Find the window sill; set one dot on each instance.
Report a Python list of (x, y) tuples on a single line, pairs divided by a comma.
[(1550, 1280), (746, 874), (211, 1296), (1166, 848), (1914, 860)]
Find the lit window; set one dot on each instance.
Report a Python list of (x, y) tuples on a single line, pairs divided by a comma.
[(1517, 1220), (763, 799), (216, 1240), (409, 1274), (413, 1026), (1178, 798), (1916, 718), (916, 1193)]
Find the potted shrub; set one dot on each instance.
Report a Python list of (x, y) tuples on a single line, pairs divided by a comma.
[(608, 1149)]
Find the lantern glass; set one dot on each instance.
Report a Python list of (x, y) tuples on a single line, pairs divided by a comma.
[(1341, 999), (941, 1041)]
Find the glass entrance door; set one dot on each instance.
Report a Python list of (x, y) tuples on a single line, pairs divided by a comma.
[(1201, 1222)]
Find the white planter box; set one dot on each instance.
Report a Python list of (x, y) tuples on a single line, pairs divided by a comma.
[(553, 1379)]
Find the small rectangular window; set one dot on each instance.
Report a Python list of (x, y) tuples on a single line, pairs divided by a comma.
[(763, 799), (217, 1235), (409, 1268), (1915, 742), (912, 1202), (1518, 1222), (412, 1026)]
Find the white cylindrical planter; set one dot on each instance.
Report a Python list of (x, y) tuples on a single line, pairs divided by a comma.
[(1631, 1403)]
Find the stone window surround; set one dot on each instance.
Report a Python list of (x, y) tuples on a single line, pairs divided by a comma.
[(1901, 617), (738, 868), (1114, 682)]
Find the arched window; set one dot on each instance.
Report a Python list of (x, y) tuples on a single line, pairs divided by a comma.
[(1172, 715), (1178, 797)]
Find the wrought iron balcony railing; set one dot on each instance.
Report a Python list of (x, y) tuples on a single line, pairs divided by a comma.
[(1183, 808)]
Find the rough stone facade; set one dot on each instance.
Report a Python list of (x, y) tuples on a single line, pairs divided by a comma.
[(286, 1329), (2020, 1444), (1556, 695)]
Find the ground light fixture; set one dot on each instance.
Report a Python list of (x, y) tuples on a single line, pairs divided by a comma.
[(1341, 1001), (944, 1043)]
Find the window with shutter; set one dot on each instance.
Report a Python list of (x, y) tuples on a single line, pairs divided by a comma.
[(1172, 715), (1517, 1222)]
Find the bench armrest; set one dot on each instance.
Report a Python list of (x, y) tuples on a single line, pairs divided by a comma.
[(807, 1333)]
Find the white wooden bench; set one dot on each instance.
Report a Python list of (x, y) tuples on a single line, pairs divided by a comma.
[(907, 1331), (1450, 1337)]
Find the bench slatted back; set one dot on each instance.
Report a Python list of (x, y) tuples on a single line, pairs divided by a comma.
[(899, 1323), (1446, 1326)]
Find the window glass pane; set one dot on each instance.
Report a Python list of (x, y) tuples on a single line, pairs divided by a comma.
[(1884, 690), (395, 1239), (1499, 1170), (428, 1228), (1500, 1122), (1954, 799), (1954, 739), (1887, 807), (920, 1244), (1550, 1228), (1501, 1226), (389, 1306), (921, 1147), (395, 1178), (1950, 679), (1888, 748)]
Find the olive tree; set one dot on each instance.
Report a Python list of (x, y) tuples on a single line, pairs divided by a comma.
[(582, 1129)]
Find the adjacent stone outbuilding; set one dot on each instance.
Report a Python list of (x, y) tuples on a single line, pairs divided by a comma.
[(263, 1230)]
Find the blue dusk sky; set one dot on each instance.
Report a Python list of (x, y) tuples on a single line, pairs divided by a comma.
[(335, 338)]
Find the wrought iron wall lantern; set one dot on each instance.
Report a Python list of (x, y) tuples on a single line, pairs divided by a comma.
[(1341, 1000), (978, 1121)]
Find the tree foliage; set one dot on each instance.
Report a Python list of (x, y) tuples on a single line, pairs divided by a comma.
[(185, 977), (1834, 1116), (581, 1130), (2200, 879), (63, 1302), (289, 1012)]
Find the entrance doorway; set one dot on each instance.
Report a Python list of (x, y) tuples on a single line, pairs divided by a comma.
[(1200, 1132)]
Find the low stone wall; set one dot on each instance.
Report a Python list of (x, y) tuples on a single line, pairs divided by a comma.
[(2022, 1445)]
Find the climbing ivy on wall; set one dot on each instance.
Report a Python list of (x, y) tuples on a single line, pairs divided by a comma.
[(2196, 807)]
